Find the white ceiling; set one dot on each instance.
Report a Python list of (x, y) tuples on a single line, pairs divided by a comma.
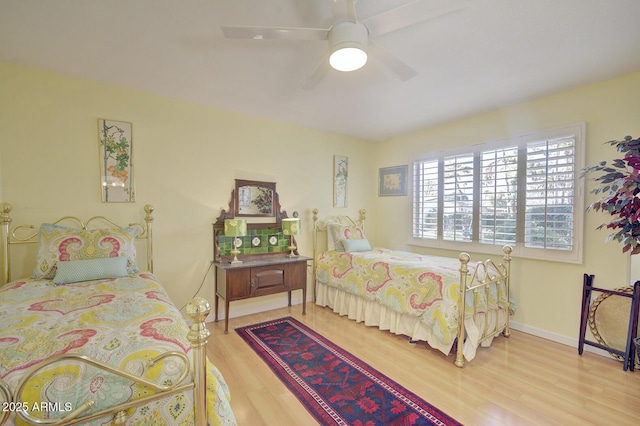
[(487, 54)]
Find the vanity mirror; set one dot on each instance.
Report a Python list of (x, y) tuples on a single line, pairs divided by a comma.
[(255, 198)]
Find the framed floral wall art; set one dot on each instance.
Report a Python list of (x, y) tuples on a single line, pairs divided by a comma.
[(392, 181), (340, 177), (116, 161)]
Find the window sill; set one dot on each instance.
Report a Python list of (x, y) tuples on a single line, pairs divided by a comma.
[(519, 250)]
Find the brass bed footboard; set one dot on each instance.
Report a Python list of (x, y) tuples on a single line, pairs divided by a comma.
[(485, 275)]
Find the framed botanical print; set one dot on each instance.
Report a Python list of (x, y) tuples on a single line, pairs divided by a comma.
[(340, 177), (116, 161)]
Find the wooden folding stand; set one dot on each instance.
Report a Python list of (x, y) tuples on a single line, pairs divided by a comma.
[(628, 354)]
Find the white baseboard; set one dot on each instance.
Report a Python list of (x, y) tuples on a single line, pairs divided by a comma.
[(240, 310), (558, 338), (554, 337)]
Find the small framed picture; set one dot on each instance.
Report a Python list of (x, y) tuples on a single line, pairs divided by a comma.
[(392, 181), (340, 177)]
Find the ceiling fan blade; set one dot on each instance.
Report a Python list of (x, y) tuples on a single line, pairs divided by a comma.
[(318, 73), (274, 33), (403, 71), (343, 10), (406, 15)]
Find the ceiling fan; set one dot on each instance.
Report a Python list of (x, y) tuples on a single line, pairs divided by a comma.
[(350, 40)]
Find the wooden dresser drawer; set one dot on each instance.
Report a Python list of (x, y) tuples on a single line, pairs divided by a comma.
[(268, 280)]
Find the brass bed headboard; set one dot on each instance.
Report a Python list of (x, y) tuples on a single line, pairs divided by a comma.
[(27, 234), (320, 227)]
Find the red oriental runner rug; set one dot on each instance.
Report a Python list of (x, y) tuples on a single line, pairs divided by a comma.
[(334, 385)]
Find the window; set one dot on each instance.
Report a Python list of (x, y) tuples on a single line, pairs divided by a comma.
[(523, 191)]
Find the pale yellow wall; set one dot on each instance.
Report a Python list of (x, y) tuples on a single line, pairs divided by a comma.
[(186, 159), (187, 156), (548, 294)]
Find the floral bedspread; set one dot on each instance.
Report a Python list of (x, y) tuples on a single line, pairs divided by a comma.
[(123, 322), (427, 287)]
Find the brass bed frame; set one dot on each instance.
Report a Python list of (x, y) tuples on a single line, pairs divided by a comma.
[(197, 309), (485, 274)]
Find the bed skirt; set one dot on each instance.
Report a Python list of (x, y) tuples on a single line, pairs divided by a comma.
[(376, 315)]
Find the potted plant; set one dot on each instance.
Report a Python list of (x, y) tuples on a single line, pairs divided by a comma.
[(619, 188)]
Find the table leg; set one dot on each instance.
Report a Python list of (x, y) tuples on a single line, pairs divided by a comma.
[(304, 300), (215, 310), (226, 316)]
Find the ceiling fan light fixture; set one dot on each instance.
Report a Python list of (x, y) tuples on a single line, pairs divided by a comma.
[(348, 59), (348, 41)]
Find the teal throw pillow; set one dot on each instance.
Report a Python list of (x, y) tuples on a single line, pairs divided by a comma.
[(356, 245), (73, 271)]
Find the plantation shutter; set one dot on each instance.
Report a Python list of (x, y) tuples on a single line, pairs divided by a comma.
[(498, 199), (550, 194), (458, 198), (425, 199)]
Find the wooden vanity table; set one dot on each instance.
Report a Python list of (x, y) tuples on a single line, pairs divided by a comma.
[(268, 266), (260, 277)]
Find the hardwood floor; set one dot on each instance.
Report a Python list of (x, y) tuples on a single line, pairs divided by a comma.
[(521, 380)]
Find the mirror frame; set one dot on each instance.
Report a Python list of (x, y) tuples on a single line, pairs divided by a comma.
[(241, 183), (230, 213)]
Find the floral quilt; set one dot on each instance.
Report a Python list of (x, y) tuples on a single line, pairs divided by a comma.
[(427, 287), (123, 322)]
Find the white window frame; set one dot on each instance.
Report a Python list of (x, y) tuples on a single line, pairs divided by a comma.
[(578, 131)]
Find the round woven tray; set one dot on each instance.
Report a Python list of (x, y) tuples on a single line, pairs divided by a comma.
[(609, 320)]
